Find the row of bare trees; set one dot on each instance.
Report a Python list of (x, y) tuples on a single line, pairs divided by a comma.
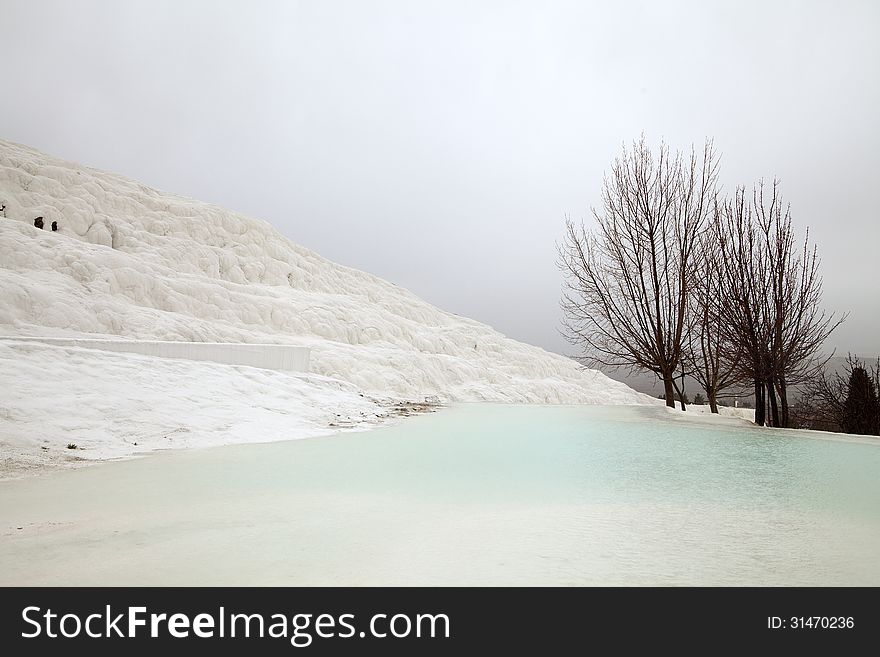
[(678, 280)]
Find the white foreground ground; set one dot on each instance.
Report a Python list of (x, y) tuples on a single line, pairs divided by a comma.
[(112, 405), (136, 263)]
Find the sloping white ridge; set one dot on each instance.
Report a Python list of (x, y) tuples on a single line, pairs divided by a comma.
[(131, 261), (282, 357)]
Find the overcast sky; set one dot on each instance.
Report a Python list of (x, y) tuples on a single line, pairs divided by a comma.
[(441, 144)]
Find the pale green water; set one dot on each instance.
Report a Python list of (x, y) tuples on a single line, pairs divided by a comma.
[(475, 494)]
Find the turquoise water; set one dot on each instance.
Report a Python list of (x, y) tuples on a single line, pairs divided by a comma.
[(474, 494)]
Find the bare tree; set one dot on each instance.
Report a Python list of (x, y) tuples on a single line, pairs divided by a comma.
[(772, 291), (626, 296), (742, 289), (823, 401), (714, 360)]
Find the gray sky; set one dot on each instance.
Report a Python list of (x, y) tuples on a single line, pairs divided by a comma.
[(440, 144)]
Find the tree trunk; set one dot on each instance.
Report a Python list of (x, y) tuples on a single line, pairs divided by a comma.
[(760, 408), (669, 391), (774, 407), (680, 395), (783, 400), (713, 402)]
